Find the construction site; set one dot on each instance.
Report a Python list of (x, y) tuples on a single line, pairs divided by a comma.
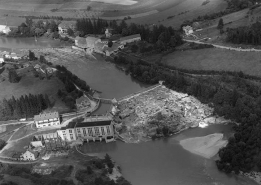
[(160, 112)]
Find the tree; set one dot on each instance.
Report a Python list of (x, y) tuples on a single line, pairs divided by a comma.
[(220, 24), (110, 43), (70, 32), (134, 48), (13, 76), (31, 55), (89, 170)]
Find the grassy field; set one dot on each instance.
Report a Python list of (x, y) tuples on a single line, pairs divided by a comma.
[(216, 59), (192, 8), (23, 132)]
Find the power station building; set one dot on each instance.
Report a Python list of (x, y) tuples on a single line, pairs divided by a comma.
[(92, 129)]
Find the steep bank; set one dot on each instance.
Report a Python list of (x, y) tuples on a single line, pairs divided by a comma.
[(206, 146)]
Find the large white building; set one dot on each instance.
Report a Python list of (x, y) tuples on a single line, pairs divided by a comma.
[(93, 129), (47, 120)]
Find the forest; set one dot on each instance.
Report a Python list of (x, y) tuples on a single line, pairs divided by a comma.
[(241, 104), (23, 107), (245, 34)]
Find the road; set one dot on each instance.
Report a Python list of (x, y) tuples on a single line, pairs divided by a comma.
[(223, 47)]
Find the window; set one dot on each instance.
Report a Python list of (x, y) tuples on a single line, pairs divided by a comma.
[(97, 132), (90, 132), (78, 130), (84, 132), (71, 136), (70, 131), (108, 130), (102, 130)]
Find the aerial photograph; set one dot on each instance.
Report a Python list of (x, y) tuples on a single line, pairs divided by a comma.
[(130, 92)]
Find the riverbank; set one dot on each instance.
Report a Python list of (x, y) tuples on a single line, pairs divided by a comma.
[(207, 146), (256, 176)]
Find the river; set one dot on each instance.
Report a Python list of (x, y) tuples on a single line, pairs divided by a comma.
[(160, 162)]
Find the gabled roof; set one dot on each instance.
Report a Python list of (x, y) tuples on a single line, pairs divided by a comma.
[(67, 24), (91, 39), (99, 46), (46, 116), (129, 37)]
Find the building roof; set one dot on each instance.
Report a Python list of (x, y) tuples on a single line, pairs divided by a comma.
[(129, 37), (99, 46), (91, 39), (67, 24), (46, 116), (96, 123), (114, 47), (81, 41), (93, 123), (81, 99)]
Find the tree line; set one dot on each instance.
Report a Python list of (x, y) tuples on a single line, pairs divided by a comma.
[(236, 103), (31, 28), (245, 34), (23, 107)]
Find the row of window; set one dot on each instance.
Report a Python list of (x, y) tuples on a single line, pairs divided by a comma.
[(97, 131), (48, 120)]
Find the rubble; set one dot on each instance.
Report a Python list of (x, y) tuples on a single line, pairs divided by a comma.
[(144, 116)]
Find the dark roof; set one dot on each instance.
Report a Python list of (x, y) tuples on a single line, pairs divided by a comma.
[(129, 37), (69, 126), (93, 123), (46, 116)]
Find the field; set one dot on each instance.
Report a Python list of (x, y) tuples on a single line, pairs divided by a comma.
[(30, 84), (183, 10), (141, 11), (216, 59)]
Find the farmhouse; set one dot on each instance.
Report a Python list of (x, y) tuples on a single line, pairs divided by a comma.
[(29, 156), (65, 25), (188, 30), (93, 129), (129, 39), (47, 119)]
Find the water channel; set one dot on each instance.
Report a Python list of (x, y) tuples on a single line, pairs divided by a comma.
[(160, 162)]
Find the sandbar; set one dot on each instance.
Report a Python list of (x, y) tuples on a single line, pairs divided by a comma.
[(207, 146)]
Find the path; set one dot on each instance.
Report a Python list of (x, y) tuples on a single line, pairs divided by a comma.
[(223, 47)]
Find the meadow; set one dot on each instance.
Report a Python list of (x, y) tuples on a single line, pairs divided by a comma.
[(216, 59), (181, 11)]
